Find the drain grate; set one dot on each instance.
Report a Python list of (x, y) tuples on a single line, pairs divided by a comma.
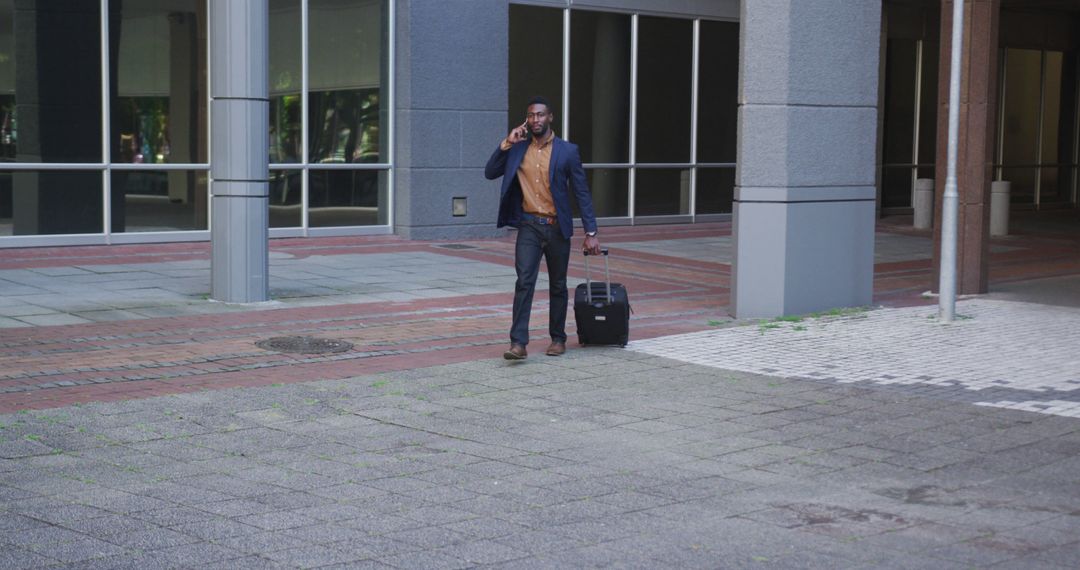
[(456, 246), (304, 345)]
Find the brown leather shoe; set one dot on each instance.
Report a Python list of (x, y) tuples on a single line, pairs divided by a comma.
[(556, 349), (516, 352)]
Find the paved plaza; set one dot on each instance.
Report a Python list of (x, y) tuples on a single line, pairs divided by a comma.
[(1005, 354), (151, 431)]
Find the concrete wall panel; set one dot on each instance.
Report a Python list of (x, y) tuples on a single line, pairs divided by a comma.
[(829, 246), (477, 143), (758, 269), (433, 138), (451, 113), (458, 54), (431, 206), (807, 146), (790, 41)]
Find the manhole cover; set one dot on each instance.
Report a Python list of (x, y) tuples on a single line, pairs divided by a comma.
[(456, 246), (304, 344)]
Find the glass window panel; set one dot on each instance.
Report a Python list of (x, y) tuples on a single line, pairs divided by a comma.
[(610, 192), (928, 106), (159, 201), (900, 82), (1023, 69), (665, 68), (534, 71), (347, 198), (661, 191), (1056, 185), (38, 202), (896, 187), (346, 78), (1022, 190), (600, 75), (159, 103), (50, 82), (285, 81), (715, 190), (285, 198), (1051, 132), (718, 91)]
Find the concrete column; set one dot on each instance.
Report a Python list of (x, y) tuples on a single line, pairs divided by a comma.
[(975, 156), (240, 110), (805, 187)]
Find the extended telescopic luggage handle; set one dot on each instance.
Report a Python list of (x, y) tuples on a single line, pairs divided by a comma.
[(607, 276)]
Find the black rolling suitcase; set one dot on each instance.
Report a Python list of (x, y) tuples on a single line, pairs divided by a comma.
[(601, 310)]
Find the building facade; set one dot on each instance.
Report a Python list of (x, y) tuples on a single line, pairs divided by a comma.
[(380, 115)]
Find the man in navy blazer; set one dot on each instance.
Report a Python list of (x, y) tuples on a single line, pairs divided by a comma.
[(535, 198)]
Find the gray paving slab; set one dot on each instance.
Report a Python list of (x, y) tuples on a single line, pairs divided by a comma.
[(146, 290), (604, 457)]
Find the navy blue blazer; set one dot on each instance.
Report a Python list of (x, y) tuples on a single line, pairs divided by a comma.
[(566, 174)]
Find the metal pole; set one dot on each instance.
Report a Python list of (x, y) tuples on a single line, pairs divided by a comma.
[(951, 199)]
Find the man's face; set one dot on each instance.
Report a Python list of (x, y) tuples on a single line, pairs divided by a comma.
[(539, 120)]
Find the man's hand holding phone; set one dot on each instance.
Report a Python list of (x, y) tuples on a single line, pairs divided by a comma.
[(519, 133)]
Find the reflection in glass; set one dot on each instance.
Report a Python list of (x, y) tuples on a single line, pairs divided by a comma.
[(56, 51), (600, 74), (285, 197), (715, 190), (285, 81), (1022, 189), (901, 66), (661, 191), (718, 91), (665, 58), (149, 201), (610, 192), (928, 105), (36, 202), (896, 187), (1057, 136), (159, 104), (347, 198), (346, 81), (1051, 108), (1021, 107), (534, 71)]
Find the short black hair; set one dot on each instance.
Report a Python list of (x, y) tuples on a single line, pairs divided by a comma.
[(539, 100)]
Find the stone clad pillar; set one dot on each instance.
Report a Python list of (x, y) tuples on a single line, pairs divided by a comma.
[(240, 110), (975, 156), (805, 185)]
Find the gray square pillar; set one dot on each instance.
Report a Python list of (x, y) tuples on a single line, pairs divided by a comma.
[(805, 184)]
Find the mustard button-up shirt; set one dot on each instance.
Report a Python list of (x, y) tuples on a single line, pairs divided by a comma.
[(534, 177)]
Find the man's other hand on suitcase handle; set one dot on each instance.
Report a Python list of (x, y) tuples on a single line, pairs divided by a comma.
[(591, 245)]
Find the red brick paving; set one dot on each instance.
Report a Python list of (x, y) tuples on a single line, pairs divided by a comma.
[(203, 352)]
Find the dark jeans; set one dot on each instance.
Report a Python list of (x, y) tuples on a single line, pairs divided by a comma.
[(534, 240)]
